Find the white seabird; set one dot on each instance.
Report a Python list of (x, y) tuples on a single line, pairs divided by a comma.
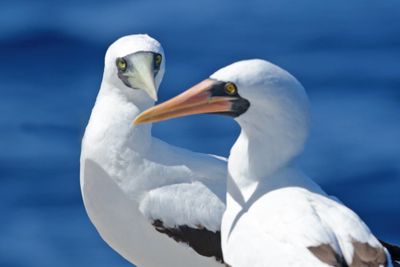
[(275, 215), (155, 204)]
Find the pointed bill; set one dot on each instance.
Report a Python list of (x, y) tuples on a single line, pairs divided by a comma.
[(146, 77), (196, 100)]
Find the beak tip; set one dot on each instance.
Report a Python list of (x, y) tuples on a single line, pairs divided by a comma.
[(153, 94), (136, 122), (140, 119)]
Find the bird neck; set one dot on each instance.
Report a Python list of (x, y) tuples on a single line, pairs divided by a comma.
[(113, 142), (136, 97), (259, 153), (112, 118)]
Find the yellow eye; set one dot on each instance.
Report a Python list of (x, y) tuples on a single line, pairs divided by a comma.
[(121, 64), (230, 89), (158, 59)]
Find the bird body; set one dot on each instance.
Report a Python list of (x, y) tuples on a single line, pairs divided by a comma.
[(150, 201), (290, 221), (289, 209), (275, 215)]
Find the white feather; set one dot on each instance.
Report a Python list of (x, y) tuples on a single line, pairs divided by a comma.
[(274, 212), (129, 178)]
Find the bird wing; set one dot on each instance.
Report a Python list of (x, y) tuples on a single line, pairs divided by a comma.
[(190, 208), (329, 230), (189, 213), (358, 246)]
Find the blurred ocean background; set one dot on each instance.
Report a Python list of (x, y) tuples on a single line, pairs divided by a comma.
[(345, 53)]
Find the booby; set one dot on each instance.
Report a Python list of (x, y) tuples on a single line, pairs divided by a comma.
[(155, 204), (275, 214)]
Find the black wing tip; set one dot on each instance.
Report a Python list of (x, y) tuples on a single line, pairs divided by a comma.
[(393, 250), (205, 242)]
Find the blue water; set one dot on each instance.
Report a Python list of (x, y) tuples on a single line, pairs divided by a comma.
[(346, 54)]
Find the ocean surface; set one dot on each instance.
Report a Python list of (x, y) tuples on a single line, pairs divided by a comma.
[(345, 53)]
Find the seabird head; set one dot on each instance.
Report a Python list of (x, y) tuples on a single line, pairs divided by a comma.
[(273, 95), (135, 62)]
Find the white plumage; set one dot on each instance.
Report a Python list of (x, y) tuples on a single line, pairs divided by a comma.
[(275, 215), (130, 180)]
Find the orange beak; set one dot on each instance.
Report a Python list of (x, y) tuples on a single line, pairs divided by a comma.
[(196, 100)]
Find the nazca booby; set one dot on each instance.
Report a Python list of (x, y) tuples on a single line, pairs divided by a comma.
[(275, 214), (155, 204)]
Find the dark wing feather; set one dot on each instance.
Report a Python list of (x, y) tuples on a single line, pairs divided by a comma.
[(394, 252), (363, 255), (203, 241), (327, 254), (367, 255)]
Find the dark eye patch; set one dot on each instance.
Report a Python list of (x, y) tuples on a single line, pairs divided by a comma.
[(218, 89), (239, 105)]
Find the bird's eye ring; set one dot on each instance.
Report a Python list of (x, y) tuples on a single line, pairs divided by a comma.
[(230, 88), (121, 64), (158, 59)]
